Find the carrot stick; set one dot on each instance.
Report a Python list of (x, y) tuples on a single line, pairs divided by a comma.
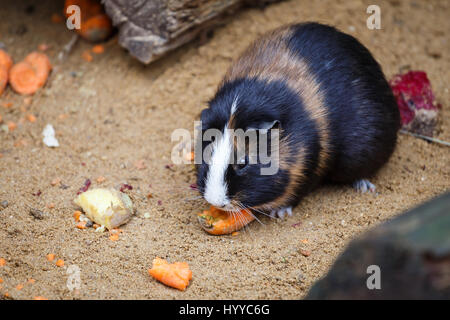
[(218, 222), (176, 275)]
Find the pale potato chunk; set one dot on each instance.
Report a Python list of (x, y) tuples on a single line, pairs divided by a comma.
[(107, 207)]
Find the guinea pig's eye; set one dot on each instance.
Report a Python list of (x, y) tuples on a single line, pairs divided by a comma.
[(241, 165)]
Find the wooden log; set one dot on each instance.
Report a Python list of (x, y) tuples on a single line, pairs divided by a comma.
[(411, 251), (149, 29)]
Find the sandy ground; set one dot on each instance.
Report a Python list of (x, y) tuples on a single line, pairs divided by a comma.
[(113, 111)]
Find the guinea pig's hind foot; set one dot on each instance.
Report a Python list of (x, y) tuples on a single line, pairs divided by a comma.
[(364, 186), (281, 212)]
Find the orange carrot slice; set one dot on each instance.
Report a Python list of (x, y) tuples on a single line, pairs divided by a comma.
[(40, 298), (5, 66), (50, 257), (59, 263), (176, 275), (218, 222), (29, 75)]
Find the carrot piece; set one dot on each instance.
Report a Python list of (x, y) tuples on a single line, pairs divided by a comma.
[(59, 263), (1, 119), (98, 49), (95, 25), (114, 237), (51, 205), (55, 182), (176, 275), (11, 125), (77, 215), (101, 179), (2, 262), (5, 66), (50, 257), (40, 298), (5, 60), (31, 118), (31, 281), (81, 225), (29, 75), (1, 280), (19, 287), (218, 222)]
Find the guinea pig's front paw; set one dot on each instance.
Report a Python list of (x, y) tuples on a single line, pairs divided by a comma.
[(364, 186), (281, 213)]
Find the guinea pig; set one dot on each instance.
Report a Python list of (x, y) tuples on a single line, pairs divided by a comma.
[(326, 95)]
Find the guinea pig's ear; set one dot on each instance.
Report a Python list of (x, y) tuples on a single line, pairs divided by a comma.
[(263, 127)]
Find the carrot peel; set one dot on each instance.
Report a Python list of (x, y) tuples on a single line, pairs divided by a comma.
[(219, 222), (176, 275)]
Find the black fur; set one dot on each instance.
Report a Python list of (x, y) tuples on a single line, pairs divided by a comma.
[(362, 113)]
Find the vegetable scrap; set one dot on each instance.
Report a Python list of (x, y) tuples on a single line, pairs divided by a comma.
[(416, 102), (40, 298), (125, 186), (176, 275), (31, 118), (219, 222), (50, 257), (5, 67), (101, 179), (56, 181), (49, 136), (85, 187), (106, 207), (81, 225), (305, 253), (59, 263), (114, 237), (98, 49), (29, 75), (11, 125), (77, 215), (2, 262), (95, 25)]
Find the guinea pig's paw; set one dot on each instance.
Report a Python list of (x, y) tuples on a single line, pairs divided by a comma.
[(364, 186), (281, 213)]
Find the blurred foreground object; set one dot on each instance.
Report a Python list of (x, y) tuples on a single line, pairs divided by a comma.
[(95, 24), (412, 252), (149, 29)]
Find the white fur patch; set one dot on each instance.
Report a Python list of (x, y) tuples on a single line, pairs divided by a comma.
[(234, 105), (216, 187)]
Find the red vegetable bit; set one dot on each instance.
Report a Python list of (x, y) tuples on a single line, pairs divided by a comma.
[(125, 186), (412, 91), (37, 194), (86, 186), (193, 186)]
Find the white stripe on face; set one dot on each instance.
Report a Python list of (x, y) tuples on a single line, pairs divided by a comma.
[(216, 187)]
